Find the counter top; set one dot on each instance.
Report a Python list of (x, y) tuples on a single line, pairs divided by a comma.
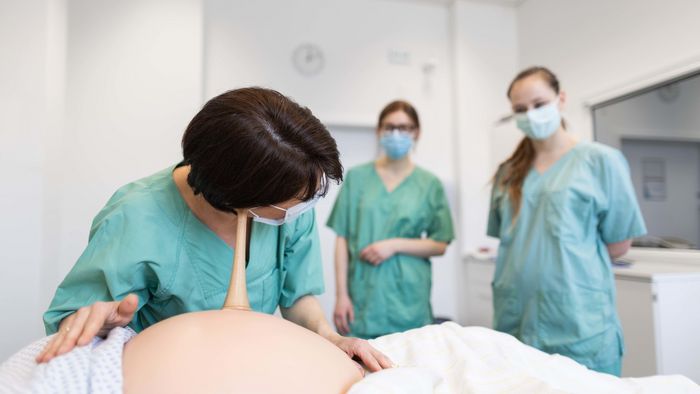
[(656, 271), (648, 265)]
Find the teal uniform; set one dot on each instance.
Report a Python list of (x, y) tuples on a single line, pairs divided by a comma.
[(554, 287), (147, 241), (395, 295)]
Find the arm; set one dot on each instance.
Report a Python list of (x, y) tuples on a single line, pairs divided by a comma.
[(380, 251), (620, 218), (78, 328), (420, 247), (307, 313), (619, 249), (341, 267), (103, 290), (344, 312)]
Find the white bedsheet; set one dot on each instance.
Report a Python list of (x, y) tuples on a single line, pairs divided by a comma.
[(434, 359), (452, 359)]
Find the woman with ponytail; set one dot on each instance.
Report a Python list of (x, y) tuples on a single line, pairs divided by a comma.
[(562, 209)]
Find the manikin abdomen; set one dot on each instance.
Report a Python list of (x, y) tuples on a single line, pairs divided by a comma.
[(234, 350)]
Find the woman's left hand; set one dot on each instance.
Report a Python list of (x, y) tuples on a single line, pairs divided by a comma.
[(360, 349), (378, 252), (307, 312)]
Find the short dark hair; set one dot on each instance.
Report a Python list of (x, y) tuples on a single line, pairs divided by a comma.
[(255, 147)]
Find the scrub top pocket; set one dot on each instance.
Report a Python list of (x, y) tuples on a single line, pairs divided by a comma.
[(507, 311), (410, 292), (579, 324), (499, 218), (567, 215)]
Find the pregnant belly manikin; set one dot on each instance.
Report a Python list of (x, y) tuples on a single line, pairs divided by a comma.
[(234, 350)]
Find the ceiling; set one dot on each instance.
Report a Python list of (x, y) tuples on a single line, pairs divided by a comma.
[(510, 3)]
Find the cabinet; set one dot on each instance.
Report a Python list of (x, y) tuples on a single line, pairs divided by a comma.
[(658, 301)]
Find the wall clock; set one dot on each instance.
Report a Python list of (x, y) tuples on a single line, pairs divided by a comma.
[(308, 59)]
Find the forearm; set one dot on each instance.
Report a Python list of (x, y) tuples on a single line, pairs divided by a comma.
[(307, 313), (341, 267), (419, 247), (619, 249)]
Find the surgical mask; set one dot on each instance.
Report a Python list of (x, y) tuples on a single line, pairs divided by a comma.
[(396, 143), (290, 213), (540, 123)]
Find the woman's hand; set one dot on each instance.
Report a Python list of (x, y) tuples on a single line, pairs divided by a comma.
[(361, 350), (87, 322), (344, 314), (307, 312), (378, 252)]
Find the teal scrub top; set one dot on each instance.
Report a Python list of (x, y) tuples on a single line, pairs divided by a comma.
[(554, 287), (147, 241), (395, 295)]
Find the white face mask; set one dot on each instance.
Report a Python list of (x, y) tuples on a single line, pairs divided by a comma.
[(290, 213)]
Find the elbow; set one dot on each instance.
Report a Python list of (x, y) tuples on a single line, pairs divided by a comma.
[(619, 249), (620, 253), (440, 248)]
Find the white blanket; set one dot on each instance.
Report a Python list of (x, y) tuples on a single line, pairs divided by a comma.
[(434, 359), (452, 359)]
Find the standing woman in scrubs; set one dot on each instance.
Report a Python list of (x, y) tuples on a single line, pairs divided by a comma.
[(163, 245), (390, 217), (563, 209)]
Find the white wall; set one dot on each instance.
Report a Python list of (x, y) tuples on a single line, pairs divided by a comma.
[(485, 56), (485, 49), (133, 82), (356, 82), (92, 95), (24, 112), (596, 46)]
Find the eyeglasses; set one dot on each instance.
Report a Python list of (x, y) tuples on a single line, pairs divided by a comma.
[(290, 213), (405, 128)]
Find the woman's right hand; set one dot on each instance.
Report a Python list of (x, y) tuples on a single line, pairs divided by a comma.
[(87, 322), (344, 314)]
